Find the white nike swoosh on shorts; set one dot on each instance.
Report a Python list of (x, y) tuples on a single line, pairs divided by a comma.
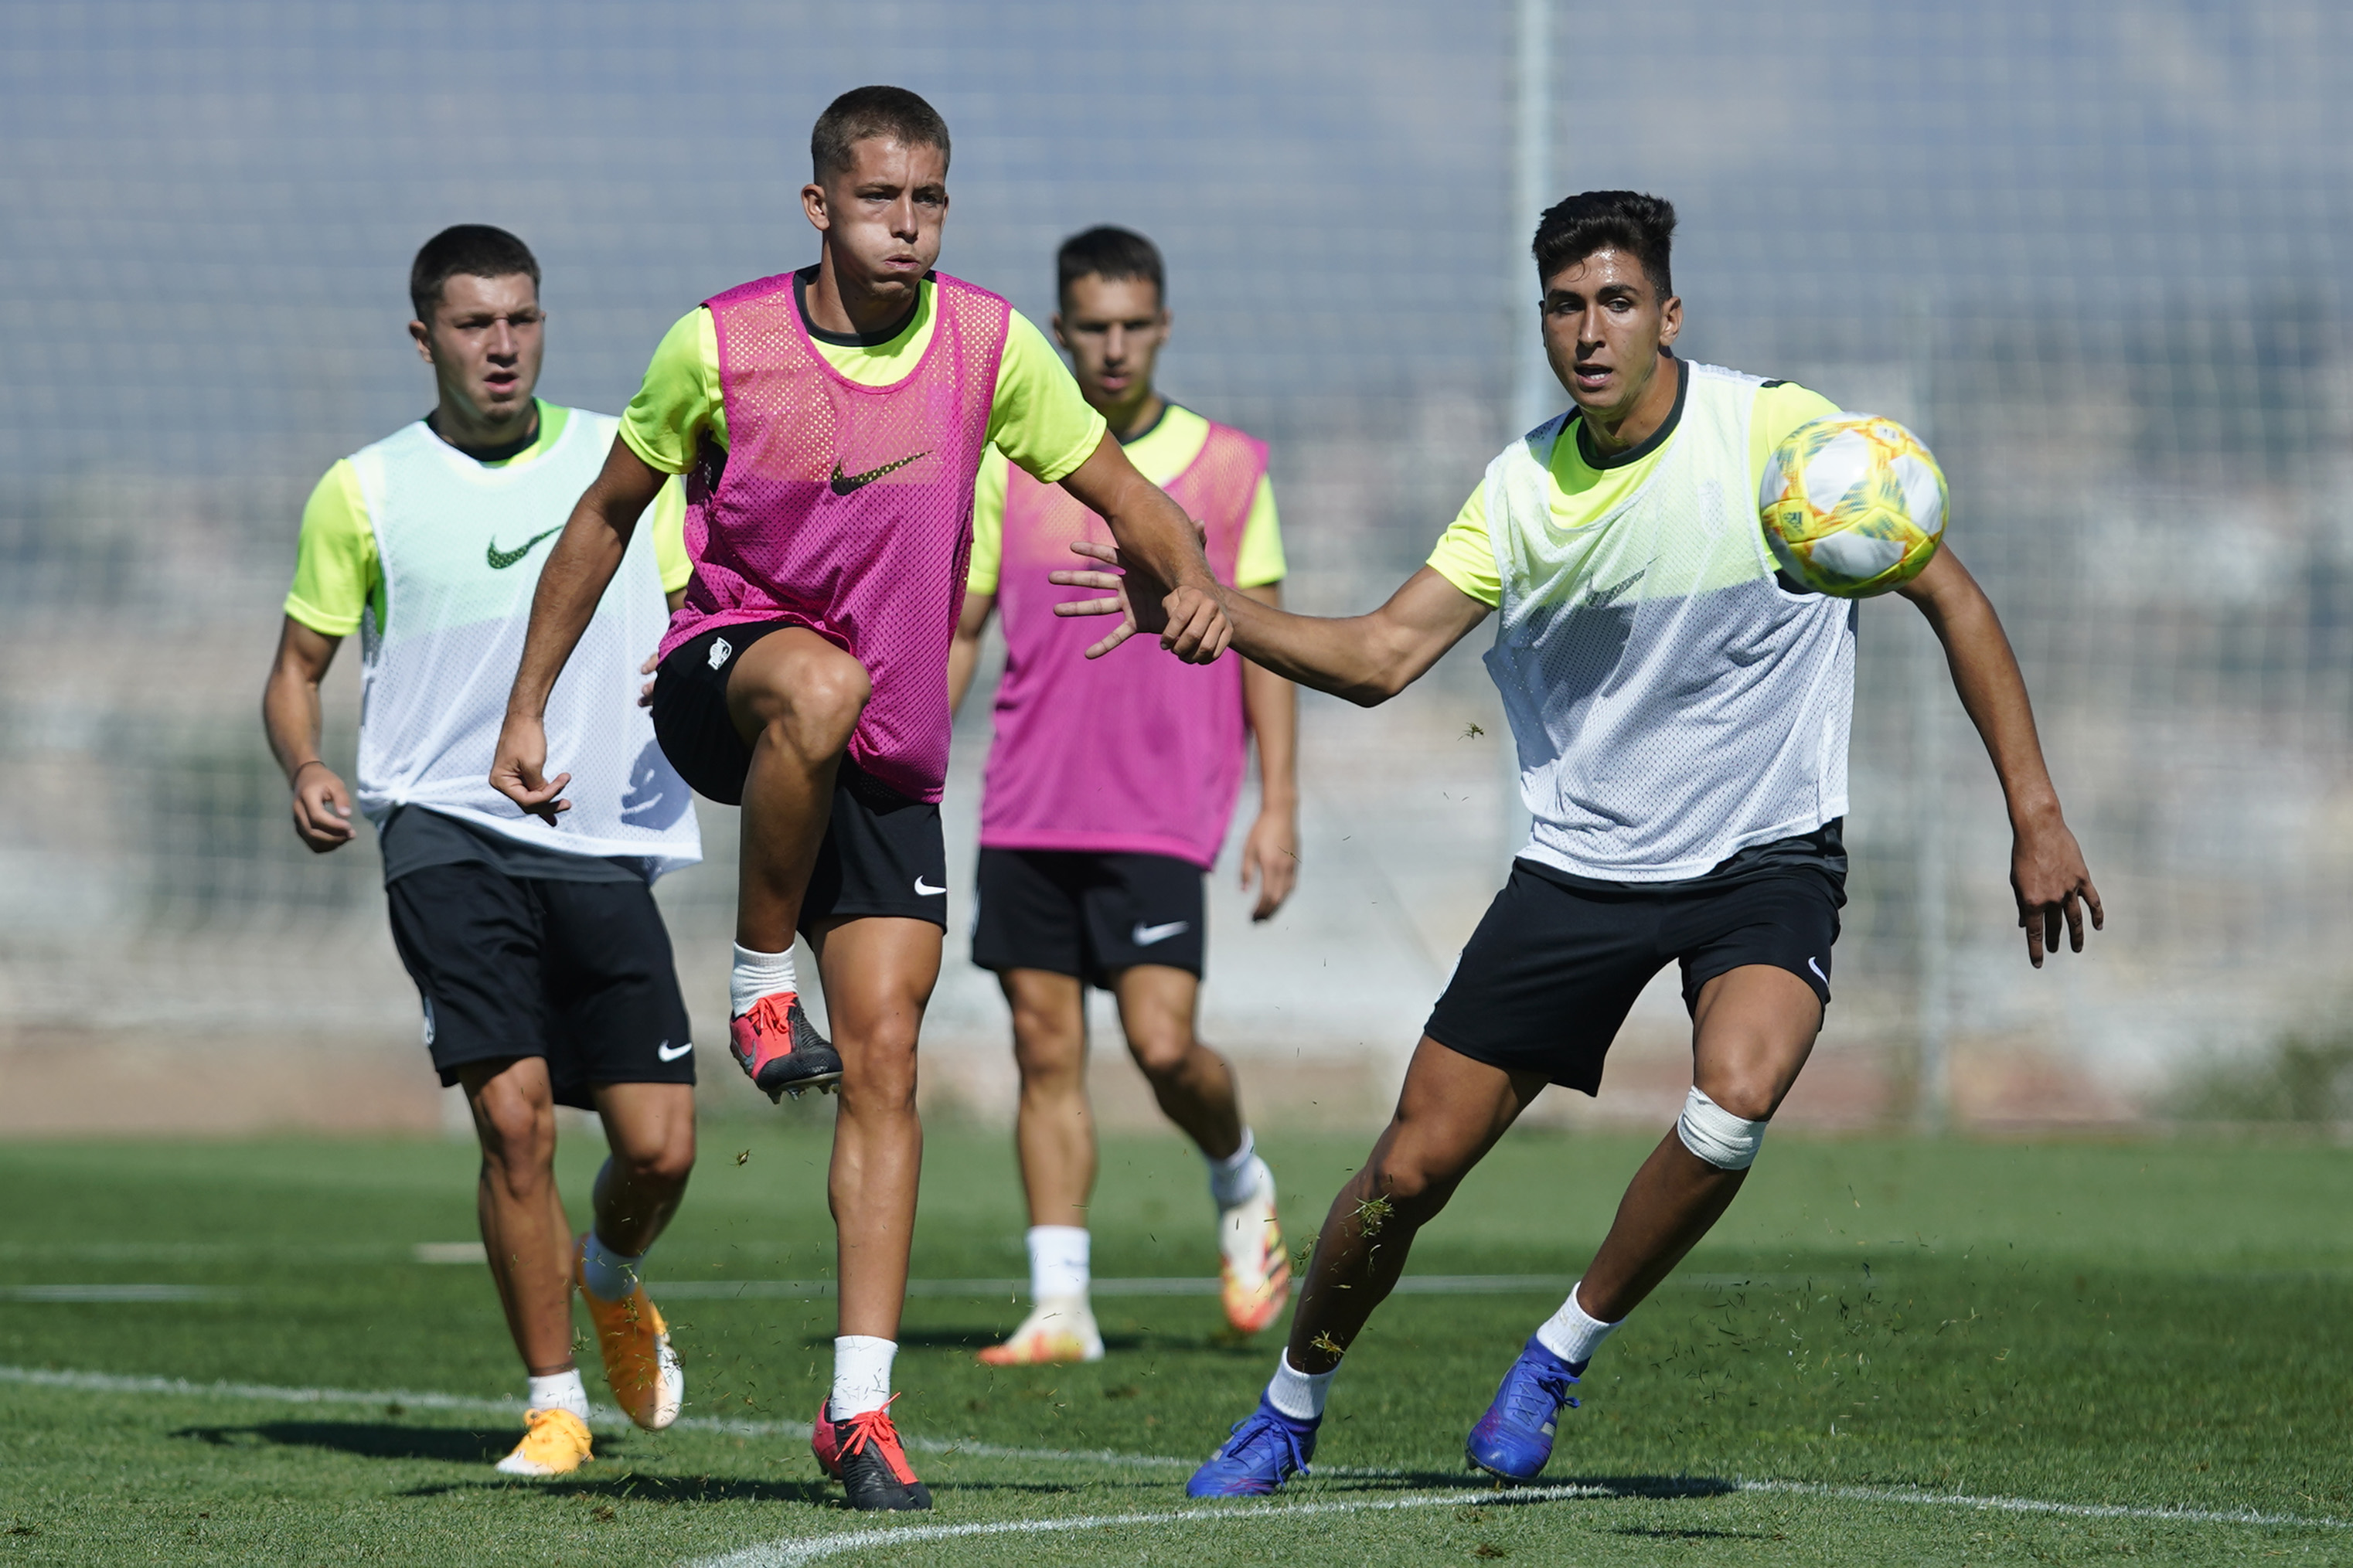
[(667, 1054), (1145, 936), (928, 892)]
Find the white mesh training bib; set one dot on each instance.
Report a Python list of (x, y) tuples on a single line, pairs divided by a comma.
[(1672, 703), (461, 547)]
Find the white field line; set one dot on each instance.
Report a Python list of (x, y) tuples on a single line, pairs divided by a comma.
[(1410, 1285), (599, 1414), (110, 1383), (791, 1554)]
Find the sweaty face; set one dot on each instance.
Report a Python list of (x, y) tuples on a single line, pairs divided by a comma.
[(882, 215), (1113, 331), (1603, 326), (485, 341)]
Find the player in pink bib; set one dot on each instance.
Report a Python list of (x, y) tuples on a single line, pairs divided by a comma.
[(1109, 791), (829, 422)]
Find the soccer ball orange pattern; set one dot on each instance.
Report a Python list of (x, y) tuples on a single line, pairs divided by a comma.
[(1853, 505)]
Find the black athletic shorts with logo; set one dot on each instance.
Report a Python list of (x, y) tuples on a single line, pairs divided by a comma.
[(1550, 974), (883, 853), (578, 973), (1087, 914)]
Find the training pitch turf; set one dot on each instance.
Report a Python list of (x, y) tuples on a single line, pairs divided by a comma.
[(1889, 1353)]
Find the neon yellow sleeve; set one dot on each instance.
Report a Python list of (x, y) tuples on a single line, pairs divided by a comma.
[(1038, 418), (1260, 560), (1465, 556), (335, 570), (988, 524), (669, 523), (1780, 408), (679, 399)]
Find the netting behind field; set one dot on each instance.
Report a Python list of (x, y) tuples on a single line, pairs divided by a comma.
[(2096, 253)]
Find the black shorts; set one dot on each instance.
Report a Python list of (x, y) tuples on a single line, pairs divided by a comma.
[(1087, 914), (578, 973), (1549, 975), (884, 852)]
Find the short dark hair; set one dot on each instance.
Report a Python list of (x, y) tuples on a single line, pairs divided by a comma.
[(865, 112), (1643, 226), (1113, 255), (469, 249)]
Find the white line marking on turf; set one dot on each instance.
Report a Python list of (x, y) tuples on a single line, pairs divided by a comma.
[(599, 1414), (606, 1415), (791, 1554), (1410, 1285)]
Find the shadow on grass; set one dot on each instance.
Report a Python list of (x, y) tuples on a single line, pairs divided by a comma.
[(638, 1487), (1651, 1488), (450, 1444)]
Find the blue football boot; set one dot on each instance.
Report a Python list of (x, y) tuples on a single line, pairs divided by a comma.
[(1513, 1439), (1266, 1450)]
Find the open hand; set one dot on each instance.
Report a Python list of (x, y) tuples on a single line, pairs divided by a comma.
[(515, 769), (645, 693), (1271, 856), (2048, 874), (1191, 620), (322, 809)]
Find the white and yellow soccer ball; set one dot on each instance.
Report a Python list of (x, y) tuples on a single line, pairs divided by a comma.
[(1853, 505)]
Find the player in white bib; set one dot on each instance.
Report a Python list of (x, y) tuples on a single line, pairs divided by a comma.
[(541, 959), (1682, 717)]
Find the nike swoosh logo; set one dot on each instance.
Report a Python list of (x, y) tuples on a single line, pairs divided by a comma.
[(1818, 972), (928, 892), (843, 484), (1145, 935), (667, 1054), (500, 560)]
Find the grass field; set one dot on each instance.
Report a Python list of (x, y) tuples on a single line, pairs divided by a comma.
[(1881, 1332)]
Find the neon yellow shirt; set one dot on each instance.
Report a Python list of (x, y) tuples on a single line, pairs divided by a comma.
[(1465, 556), (1036, 416), (336, 574), (1160, 454)]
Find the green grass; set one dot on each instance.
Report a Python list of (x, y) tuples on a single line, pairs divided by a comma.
[(2156, 1325)]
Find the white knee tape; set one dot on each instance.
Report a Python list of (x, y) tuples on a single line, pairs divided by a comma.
[(1717, 1136)]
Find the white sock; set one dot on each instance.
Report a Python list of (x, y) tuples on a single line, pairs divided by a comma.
[(1059, 1262), (611, 1274), (1232, 1178), (1573, 1335), (559, 1390), (758, 975), (1299, 1395), (861, 1375)]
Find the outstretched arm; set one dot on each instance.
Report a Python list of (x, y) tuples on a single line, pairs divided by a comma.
[(1366, 658), (574, 579), (1178, 596), (2046, 867), (289, 712)]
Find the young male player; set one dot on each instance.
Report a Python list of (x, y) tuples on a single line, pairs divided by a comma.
[(1681, 720), (831, 422), (541, 960), (1109, 789)]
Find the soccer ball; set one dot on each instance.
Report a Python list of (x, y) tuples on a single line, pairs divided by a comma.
[(1853, 505)]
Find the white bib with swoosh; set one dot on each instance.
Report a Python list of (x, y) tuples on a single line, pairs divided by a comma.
[(1671, 702), (460, 546)]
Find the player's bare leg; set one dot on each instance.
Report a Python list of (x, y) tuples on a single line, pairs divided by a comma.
[(878, 973), (1752, 1030), (525, 1231), (650, 1127), (1449, 1114), (795, 698), (1196, 1087), (1054, 1135)]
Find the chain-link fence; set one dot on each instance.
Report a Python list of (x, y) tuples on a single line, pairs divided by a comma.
[(2097, 253)]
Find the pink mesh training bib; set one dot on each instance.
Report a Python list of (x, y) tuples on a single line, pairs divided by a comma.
[(848, 509), (1135, 752)]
